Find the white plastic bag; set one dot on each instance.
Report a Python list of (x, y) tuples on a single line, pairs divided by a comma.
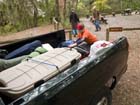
[(98, 47)]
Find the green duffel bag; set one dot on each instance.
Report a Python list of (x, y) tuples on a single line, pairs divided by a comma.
[(33, 54), (36, 52), (41, 50), (5, 64)]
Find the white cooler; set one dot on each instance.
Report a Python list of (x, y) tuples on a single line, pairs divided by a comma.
[(21, 78)]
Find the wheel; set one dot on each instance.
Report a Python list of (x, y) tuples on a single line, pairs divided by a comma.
[(103, 98), (103, 101), (111, 83)]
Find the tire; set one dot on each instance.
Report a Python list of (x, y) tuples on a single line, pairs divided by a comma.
[(103, 98)]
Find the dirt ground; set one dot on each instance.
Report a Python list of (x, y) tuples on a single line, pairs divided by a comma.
[(127, 91), (27, 33)]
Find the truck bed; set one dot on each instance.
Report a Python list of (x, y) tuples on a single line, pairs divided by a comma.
[(79, 85)]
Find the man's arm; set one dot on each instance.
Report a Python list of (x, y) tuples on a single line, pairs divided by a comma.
[(77, 18), (78, 41), (70, 17)]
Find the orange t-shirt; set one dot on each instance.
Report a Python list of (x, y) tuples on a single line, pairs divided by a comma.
[(89, 38)]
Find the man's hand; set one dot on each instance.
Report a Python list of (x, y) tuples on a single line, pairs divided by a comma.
[(72, 45)]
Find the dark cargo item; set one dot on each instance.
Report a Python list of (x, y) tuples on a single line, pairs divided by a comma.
[(24, 50)]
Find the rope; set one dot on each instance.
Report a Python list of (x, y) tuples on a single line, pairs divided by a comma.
[(45, 63)]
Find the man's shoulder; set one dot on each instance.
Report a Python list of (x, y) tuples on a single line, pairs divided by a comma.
[(86, 30)]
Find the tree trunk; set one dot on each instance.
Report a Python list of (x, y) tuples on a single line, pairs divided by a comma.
[(62, 8), (57, 12), (76, 3), (35, 17), (64, 14)]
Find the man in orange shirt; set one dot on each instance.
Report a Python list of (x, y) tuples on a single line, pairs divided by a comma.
[(84, 41), (84, 36)]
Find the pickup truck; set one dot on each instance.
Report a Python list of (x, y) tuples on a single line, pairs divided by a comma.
[(88, 84)]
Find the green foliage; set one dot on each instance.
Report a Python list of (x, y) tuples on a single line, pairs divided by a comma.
[(17, 15), (101, 5), (119, 5), (66, 23), (82, 9), (8, 29)]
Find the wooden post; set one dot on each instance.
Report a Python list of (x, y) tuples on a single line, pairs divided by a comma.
[(112, 29), (118, 29), (69, 32), (107, 34), (56, 24), (70, 35)]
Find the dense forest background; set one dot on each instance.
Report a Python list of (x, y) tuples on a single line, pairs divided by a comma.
[(17, 15)]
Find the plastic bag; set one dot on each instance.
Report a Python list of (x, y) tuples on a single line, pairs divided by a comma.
[(98, 47)]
